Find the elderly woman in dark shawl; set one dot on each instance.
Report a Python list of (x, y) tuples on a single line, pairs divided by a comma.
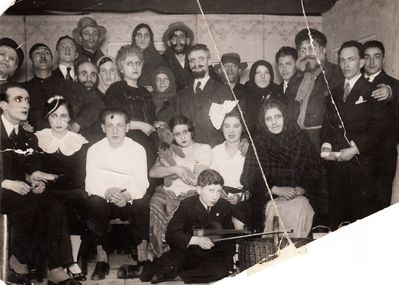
[(164, 89), (260, 87), (291, 166), (143, 38)]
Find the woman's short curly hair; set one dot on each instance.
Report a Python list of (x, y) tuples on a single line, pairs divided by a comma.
[(124, 52)]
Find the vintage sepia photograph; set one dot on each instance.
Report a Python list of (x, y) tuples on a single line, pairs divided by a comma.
[(199, 142)]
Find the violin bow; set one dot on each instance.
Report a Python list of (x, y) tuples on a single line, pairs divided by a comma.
[(251, 235)]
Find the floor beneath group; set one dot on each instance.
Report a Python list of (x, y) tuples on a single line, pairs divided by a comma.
[(115, 261)]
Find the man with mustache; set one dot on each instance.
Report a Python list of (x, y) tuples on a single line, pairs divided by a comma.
[(306, 97), (11, 58), (88, 78), (45, 85), (89, 36), (67, 54), (178, 38), (233, 66), (195, 100), (307, 92), (87, 75)]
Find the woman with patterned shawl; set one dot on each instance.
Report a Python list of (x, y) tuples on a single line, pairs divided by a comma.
[(291, 166)]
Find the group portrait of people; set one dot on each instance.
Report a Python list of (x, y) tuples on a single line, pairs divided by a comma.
[(172, 144)]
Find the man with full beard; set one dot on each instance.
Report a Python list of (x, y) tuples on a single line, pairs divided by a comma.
[(177, 38), (195, 100)]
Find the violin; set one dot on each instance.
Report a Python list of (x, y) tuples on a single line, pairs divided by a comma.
[(216, 233)]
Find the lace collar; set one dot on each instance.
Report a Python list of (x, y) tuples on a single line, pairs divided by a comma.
[(68, 145)]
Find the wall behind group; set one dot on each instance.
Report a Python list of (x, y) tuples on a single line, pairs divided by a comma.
[(364, 20), (254, 37)]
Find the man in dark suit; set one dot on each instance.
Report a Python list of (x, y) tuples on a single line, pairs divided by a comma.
[(195, 100), (352, 132), (39, 224), (197, 259), (286, 58), (66, 54), (44, 85), (374, 54)]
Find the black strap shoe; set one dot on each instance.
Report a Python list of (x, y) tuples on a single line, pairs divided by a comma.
[(100, 271)]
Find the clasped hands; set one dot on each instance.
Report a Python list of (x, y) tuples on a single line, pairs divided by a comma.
[(287, 192), (118, 196)]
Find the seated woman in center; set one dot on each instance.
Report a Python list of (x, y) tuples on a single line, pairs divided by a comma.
[(291, 166), (228, 160), (180, 180)]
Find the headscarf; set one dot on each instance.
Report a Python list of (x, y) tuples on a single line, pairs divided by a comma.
[(256, 94), (162, 100), (102, 86), (152, 58), (254, 89), (287, 158)]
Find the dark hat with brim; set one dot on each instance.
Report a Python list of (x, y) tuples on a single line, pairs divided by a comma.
[(232, 57), (12, 44), (88, 22), (303, 35), (178, 26)]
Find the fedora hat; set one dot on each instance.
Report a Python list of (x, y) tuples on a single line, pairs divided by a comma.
[(88, 22), (232, 57), (178, 26), (12, 44)]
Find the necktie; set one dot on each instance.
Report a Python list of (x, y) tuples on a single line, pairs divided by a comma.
[(346, 91), (197, 88), (13, 137), (68, 75), (208, 209), (285, 85)]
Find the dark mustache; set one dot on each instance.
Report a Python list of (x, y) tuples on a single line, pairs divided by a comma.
[(309, 57)]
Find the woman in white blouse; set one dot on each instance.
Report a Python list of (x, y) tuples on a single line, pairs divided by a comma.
[(228, 160), (180, 180)]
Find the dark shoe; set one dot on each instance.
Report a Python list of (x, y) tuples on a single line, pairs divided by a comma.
[(69, 281), (77, 276), (158, 278), (128, 271), (100, 271)]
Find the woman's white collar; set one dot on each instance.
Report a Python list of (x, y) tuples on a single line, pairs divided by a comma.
[(68, 145)]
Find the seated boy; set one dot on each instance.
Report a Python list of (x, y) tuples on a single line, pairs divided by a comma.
[(198, 259), (116, 182)]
